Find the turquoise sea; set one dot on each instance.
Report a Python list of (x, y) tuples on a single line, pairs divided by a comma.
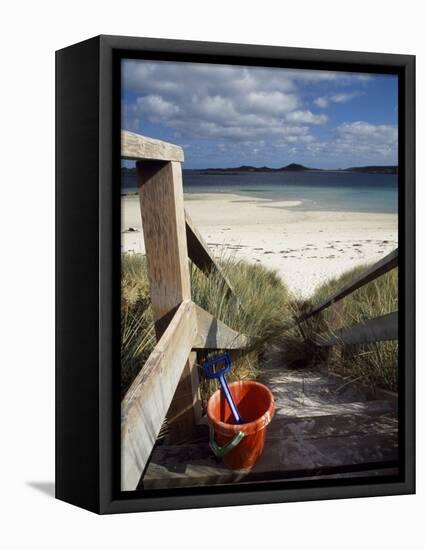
[(328, 191)]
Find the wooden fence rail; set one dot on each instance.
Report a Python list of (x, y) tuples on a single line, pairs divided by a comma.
[(371, 330), (167, 385), (200, 254), (146, 403), (136, 147), (377, 329), (376, 270)]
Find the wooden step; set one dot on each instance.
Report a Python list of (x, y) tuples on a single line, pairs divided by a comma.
[(375, 420), (310, 407), (321, 386), (296, 448), (307, 392)]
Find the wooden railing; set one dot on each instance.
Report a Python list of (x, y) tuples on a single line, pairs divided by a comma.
[(167, 385), (376, 329)]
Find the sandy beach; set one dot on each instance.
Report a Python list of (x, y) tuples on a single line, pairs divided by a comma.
[(304, 247)]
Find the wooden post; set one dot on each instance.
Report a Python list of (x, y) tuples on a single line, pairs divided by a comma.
[(185, 410), (162, 209)]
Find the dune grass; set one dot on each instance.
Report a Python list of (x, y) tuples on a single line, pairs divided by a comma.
[(374, 364), (137, 328), (259, 309)]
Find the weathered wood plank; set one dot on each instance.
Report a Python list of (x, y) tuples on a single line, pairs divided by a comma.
[(298, 409), (317, 392), (295, 447), (376, 270), (137, 147), (208, 475), (145, 405), (185, 411), (200, 253), (213, 334), (162, 209), (161, 204), (373, 330), (378, 419)]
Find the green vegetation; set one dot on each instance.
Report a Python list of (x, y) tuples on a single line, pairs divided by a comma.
[(261, 308), (375, 364), (372, 364), (137, 328)]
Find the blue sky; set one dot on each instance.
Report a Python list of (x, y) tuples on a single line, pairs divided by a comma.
[(227, 116)]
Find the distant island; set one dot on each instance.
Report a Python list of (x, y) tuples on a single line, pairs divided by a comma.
[(373, 169), (293, 167)]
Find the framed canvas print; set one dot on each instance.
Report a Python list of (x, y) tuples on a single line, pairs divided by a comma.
[(235, 274)]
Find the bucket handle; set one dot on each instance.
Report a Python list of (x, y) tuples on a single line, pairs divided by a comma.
[(221, 451)]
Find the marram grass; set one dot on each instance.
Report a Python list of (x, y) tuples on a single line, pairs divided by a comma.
[(261, 308), (374, 364)]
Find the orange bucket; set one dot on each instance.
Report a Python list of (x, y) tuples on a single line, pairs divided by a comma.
[(240, 445)]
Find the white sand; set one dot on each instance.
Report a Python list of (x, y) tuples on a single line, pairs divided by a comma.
[(305, 248)]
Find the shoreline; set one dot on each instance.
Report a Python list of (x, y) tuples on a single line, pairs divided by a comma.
[(305, 247)]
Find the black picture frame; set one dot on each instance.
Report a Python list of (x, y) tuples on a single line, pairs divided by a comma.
[(88, 271)]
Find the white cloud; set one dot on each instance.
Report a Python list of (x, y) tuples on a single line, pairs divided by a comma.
[(251, 109), (321, 102), (381, 134), (156, 106), (360, 140), (342, 97), (200, 101), (298, 139), (306, 117), (270, 102)]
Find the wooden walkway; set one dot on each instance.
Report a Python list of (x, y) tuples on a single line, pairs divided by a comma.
[(323, 428)]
